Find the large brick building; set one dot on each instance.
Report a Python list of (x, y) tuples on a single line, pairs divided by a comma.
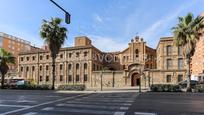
[(85, 64), (13, 45)]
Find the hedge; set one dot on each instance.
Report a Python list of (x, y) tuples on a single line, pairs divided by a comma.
[(72, 87), (199, 88), (165, 88)]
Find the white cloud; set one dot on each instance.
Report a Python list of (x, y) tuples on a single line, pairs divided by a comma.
[(107, 44), (98, 18)]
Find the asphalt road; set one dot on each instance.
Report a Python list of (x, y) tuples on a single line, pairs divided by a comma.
[(151, 103), (18, 102), (14, 102)]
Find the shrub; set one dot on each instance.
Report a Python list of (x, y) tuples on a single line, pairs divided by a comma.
[(199, 88), (32, 87), (72, 87), (165, 88)]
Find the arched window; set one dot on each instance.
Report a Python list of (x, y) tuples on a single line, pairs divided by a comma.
[(137, 53)]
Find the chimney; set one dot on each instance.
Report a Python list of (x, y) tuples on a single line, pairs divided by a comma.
[(45, 47)]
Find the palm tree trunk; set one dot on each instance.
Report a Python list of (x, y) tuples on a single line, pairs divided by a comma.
[(53, 73), (188, 75), (2, 81)]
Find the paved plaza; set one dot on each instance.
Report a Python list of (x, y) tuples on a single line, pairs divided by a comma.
[(33, 102)]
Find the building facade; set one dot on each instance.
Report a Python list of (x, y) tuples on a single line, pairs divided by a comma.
[(13, 45), (85, 64), (170, 63), (197, 61)]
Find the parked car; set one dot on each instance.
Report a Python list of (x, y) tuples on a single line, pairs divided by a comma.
[(183, 84)]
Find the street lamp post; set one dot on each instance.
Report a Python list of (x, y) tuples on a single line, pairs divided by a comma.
[(67, 15)]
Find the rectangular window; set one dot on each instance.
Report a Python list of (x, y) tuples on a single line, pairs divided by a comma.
[(41, 57), (77, 78), (27, 58), (70, 78), (77, 54), (47, 67), (70, 55), (21, 69), (33, 68), (47, 56), (180, 63), (85, 77), (168, 50), (27, 68), (85, 54), (169, 64), (61, 66), (41, 78), (180, 50), (21, 58), (47, 78), (40, 68), (61, 77), (61, 56), (180, 78), (33, 58), (168, 78)]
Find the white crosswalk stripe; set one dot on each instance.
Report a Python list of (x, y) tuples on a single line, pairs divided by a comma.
[(31, 113), (144, 113), (98, 104)]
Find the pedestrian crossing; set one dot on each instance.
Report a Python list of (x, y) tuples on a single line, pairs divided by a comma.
[(94, 104)]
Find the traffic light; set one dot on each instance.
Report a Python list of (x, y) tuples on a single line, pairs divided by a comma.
[(67, 18)]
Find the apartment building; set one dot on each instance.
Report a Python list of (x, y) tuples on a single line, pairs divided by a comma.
[(13, 45)]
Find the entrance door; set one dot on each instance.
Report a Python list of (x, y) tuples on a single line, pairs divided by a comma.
[(135, 79)]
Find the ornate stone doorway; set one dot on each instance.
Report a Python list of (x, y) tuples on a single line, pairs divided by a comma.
[(135, 79)]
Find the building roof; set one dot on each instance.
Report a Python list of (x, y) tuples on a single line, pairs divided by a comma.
[(169, 38), (14, 38), (40, 50)]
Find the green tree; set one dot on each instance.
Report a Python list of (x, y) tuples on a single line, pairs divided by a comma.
[(5, 59), (54, 36), (186, 34)]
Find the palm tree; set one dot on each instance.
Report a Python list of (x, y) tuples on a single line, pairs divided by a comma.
[(6, 58), (186, 34), (54, 36)]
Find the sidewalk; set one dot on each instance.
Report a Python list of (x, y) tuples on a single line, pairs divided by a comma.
[(107, 90)]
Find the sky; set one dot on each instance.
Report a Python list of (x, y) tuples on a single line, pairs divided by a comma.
[(110, 24)]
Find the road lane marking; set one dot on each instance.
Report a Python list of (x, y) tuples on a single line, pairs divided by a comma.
[(84, 111), (31, 113), (119, 113), (99, 103), (110, 101), (26, 101), (47, 108), (2, 105), (124, 108), (144, 113), (52, 96), (92, 106), (49, 102)]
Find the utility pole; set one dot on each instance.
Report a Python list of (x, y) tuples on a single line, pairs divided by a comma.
[(67, 15)]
